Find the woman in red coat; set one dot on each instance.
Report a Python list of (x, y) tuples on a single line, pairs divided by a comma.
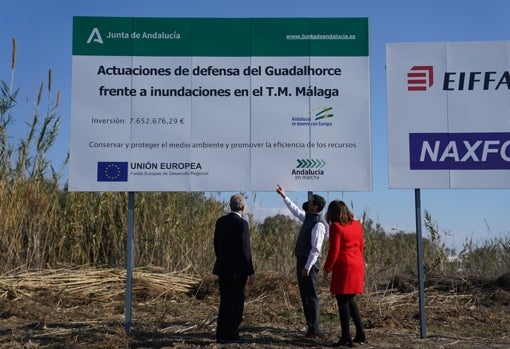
[(345, 262)]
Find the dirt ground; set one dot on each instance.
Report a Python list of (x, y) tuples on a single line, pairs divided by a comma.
[(459, 315)]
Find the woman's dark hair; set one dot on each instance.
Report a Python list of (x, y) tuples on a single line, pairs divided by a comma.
[(339, 212)]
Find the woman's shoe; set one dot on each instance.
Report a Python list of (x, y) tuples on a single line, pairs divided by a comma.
[(344, 342)]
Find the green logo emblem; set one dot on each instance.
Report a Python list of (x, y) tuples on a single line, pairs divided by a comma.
[(310, 163), (323, 114)]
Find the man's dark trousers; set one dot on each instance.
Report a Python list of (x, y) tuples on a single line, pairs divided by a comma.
[(231, 307), (309, 296)]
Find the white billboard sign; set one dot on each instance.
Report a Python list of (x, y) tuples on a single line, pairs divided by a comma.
[(448, 114), (220, 104)]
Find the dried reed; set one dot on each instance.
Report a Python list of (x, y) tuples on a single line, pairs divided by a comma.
[(93, 284)]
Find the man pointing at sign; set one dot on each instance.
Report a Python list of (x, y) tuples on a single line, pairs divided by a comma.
[(308, 255)]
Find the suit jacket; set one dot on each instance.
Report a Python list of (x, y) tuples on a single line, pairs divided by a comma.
[(232, 247)]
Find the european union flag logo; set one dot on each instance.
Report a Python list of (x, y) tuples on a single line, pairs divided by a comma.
[(108, 171)]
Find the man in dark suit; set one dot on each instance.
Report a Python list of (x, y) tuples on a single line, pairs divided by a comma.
[(234, 267)]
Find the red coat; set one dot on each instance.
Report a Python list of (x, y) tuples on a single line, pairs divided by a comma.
[(345, 258)]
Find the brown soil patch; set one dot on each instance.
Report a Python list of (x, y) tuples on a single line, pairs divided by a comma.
[(85, 308)]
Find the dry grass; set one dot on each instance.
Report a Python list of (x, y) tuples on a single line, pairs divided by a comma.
[(94, 284), (84, 308)]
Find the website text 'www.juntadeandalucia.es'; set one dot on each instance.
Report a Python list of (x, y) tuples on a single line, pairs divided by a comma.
[(320, 37)]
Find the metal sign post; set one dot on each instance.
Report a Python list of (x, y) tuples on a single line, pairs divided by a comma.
[(129, 258), (419, 251)]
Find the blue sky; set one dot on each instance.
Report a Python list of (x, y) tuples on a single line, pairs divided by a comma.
[(43, 30)]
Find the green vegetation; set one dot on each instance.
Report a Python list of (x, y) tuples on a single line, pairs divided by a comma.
[(45, 226)]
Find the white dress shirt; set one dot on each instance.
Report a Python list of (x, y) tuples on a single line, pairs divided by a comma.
[(319, 233)]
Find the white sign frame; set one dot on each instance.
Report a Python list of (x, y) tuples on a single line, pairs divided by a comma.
[(448, 114), (308, 129)]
